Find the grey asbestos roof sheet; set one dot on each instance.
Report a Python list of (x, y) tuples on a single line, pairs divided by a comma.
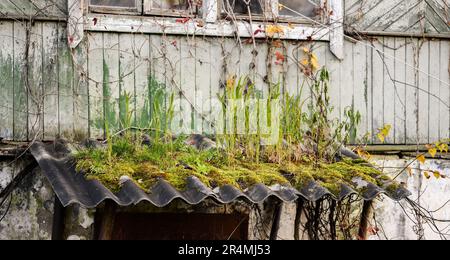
[(73, 188)]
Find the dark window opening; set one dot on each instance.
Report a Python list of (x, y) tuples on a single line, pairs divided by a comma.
[(174, 226), (239, 7), (116, 3)]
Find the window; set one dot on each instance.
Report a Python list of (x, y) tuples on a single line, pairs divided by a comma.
[(309, 8), (172, 7), (116, 6), (270, 9)]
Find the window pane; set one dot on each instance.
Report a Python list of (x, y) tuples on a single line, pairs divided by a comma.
[(173, 4), (305, 7), (239, 7), (117, 3)]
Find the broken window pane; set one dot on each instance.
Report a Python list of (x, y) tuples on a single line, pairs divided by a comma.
[(297, 8), (239, 7), (114, 3)]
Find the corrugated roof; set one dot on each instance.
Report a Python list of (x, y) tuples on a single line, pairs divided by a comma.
[(73, 188)]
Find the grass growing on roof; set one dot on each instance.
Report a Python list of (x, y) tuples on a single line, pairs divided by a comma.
[(175, 162), (308, 142)]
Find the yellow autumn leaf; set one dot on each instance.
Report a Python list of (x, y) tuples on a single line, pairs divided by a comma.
[(443, 147), (421, 158), (386, 129), (306, 50), (427, 175), (381, 137), (231, 82), (363, 154), (304, 62), (410, 171), (437, 174), (432, 152), (280, 7), (291, 26), (314, 62), (272, 30)]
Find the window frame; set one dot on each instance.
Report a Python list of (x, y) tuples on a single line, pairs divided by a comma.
[(115, 9), (333, 33)]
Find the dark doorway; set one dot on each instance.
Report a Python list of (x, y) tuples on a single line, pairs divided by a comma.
[(173, 226)]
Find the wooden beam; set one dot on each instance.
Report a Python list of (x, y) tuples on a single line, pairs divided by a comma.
[(276, 221), (59, 216), (298, 218), (366, 216), (107, 220), (169, 26)]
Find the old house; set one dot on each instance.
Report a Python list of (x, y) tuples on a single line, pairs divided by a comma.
[(71, 70)]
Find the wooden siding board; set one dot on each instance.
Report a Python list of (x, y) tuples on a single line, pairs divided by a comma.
[(6, 80), (50, 79), (173, 72), (390, 93), (127, 74), (34, 84), (95, 75), (292, 68), (411, 57), (444, 89), (158, 67), (434, 98), (111, 80), (378, 71), (261, 70), (217, 64), (187, 83), (66, 87), (141, 52), (335, 68), (360, 87), (423, 96), (203, 84), (81, 92), (400, 90), (20, 93)]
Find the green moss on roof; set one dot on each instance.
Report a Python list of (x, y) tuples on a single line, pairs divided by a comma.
[(175, 162)]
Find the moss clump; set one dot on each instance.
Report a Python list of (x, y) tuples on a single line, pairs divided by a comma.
[(175, 162)]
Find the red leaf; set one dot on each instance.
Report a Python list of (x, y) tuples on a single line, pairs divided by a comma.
[(258, 31), (280, 56), (182, 20), (71, 39), (95, 21), (174, 43)]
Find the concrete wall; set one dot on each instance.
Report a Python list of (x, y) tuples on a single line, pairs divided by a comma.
[(30, 215)]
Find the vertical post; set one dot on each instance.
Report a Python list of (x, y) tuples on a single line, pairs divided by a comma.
[(210, 10), (276, 221), (59, 216), (366, 215), (298, 218), (337, 28), (107, 221)]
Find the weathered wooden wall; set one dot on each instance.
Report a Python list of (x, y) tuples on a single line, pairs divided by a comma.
[(48, 9), (399, 16), (48, 90)]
